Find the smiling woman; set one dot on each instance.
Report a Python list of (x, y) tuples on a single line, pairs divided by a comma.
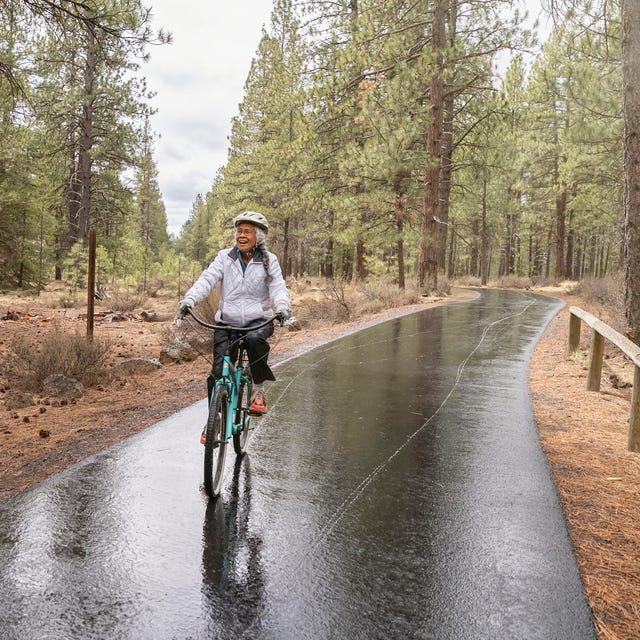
[(251, 286), (198, 82)]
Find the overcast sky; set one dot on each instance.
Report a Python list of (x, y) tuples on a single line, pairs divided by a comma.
[(199, 82)]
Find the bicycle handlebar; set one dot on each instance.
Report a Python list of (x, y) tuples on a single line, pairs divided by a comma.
[(227, 327)]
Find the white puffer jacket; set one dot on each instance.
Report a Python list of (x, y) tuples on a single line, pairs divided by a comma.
[(245, 295)]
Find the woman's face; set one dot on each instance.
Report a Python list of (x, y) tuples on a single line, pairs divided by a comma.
[(246, 237)]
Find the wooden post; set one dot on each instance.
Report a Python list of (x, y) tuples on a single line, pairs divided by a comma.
[(634, 421), (91, 282), (595, 366), (574, 332)]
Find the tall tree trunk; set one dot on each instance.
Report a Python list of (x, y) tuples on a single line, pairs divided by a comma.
[(484, 234), (569, 267), (446, 167), (631, 108), (401, 177), (285, 249), (428, 256), (361, 272), (328, 261), (474, 267), (561, 211), (451, 254), (86, 140), (400, 216)]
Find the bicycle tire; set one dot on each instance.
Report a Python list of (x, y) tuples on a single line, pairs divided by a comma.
[(215, 448), (241, 439)]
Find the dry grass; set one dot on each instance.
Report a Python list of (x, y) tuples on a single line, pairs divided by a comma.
[(59, 352)]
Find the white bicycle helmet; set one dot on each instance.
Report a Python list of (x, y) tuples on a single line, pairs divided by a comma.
[(252, 217)]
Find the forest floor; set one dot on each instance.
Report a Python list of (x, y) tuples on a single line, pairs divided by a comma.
[(584, 434)]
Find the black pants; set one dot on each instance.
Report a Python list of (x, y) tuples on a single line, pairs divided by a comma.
[(257, 350)]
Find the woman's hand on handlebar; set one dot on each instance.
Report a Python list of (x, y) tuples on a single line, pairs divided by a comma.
[(184, 307), (282, 315)]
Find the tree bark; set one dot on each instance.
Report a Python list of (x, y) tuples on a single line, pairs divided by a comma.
[(400, 215), (86, 141), (361, 272), (569, 265), (428, 256), (474, 267), (285, 249), (446, 170), (484, 234), (561, 212), (631, 108)]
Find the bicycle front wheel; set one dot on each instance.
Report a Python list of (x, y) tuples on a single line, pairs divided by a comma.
[(215, 448), (243, 417)]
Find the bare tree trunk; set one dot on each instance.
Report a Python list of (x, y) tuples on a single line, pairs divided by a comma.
[(561, 211), (400, 215), (401, 282), (474, 268), (285, 249), (484, 234), (328, 261), (569, 267), (446, 170), (451, 255), (86, 140), (361, 272), (631, 107), (428, 256)]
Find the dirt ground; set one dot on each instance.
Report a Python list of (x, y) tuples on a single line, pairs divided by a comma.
[(583, 434)]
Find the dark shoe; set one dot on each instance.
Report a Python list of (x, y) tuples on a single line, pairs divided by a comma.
[(258, 404)]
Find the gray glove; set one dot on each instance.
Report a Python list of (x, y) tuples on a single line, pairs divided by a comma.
[(283, 314), (184, 307)]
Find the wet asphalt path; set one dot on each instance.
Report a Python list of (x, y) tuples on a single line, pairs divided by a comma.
[(396, 489)]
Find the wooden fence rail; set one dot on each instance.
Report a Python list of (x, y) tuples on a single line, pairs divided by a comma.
[(600, 331)]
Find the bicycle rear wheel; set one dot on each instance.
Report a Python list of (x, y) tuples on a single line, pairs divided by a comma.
[(215, 448)]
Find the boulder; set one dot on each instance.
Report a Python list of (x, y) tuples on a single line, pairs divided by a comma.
[(293, 324), (136, 366), (177, 351), (60, 386), (18, 400)]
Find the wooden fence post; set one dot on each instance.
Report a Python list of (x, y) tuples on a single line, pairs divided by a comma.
[(574, 332), (91, 283), (595, 366), (634, 421)]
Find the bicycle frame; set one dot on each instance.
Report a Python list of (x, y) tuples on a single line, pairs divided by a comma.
[(232, 378)]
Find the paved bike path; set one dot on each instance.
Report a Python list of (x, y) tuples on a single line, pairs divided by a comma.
[(396, 489)]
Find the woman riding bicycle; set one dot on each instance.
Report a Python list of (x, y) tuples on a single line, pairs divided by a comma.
[(251, 283)]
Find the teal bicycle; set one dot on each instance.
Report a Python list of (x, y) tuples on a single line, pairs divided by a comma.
[(229, 407)]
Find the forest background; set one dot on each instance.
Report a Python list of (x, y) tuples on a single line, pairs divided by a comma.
[(387, 144), (379, 138)]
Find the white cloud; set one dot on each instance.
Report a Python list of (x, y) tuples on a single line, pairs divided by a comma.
[(199, 82)]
